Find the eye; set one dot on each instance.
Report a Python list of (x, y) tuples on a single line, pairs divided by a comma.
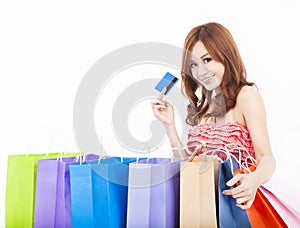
[(193, 65), (207, 60)]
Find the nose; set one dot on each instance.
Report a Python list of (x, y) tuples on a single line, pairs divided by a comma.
[(202, 69)]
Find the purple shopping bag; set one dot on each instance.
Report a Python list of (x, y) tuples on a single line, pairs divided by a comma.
[(52, 200), (153, 193)]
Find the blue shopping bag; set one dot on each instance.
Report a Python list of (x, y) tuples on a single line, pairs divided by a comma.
[(99, 192), (230, 215), (153, 193)]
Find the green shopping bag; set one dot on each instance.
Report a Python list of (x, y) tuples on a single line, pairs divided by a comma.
[(20, 187)]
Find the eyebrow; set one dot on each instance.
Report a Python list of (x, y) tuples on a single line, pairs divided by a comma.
[(201, 57), (204, 55)]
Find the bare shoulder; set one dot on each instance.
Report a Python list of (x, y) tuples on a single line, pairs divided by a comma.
[(248, 95), (248, 91), (250, 102)]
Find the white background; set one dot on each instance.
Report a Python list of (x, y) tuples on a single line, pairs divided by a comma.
[(47, 47)]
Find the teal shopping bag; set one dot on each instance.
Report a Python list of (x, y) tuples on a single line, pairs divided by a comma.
[(99, 192)]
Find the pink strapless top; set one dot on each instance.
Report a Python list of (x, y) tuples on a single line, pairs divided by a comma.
[(232, 137)]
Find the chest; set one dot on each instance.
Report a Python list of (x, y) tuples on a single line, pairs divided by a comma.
[(234, 115)]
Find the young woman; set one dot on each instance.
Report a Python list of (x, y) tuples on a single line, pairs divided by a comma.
[(225, 110)]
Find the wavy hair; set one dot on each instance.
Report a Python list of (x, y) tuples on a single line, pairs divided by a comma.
[(222, 48)]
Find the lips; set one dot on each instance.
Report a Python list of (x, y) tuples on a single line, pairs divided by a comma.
[(208, 79)]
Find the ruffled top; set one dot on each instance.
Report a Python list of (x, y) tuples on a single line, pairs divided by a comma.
[(230, 137)]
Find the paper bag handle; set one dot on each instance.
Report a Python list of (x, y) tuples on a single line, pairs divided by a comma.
[(202, 147)]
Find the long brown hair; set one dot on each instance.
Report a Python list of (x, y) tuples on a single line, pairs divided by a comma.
[(222, 48)]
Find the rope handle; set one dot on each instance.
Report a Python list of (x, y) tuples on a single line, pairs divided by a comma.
[(202, 147)]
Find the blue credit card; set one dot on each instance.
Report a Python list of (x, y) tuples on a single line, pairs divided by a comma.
[(168, 81)]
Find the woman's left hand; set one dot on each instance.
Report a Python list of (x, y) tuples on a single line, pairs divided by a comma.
[(245, 190)]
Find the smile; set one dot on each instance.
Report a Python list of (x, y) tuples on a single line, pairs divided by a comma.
[(207, 79)]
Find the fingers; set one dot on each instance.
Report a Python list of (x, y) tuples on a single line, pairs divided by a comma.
[(246, 205), (161, 109), (237, 178), (162, 93), (243, 192), (234, 181), (158, 111), (240, 191), (244, 198), (158, 103)]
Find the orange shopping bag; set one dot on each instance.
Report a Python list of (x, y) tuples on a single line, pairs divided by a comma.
[(262, 214)]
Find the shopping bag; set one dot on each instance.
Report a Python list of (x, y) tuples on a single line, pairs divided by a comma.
[(289, 215), (261, 213), (20, 187), (99, 192), (230, 215), (153, 193), (52, 200), (198, 193)]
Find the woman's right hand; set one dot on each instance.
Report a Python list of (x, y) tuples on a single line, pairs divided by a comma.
[(163, 111)]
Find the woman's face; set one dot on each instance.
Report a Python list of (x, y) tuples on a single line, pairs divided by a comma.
[(207, 71)]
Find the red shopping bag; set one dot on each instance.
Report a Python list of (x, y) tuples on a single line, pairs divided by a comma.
[(289, 214), (262, 214)]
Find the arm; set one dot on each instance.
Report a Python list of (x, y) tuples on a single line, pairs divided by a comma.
[(164, 111), (252, 108)]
